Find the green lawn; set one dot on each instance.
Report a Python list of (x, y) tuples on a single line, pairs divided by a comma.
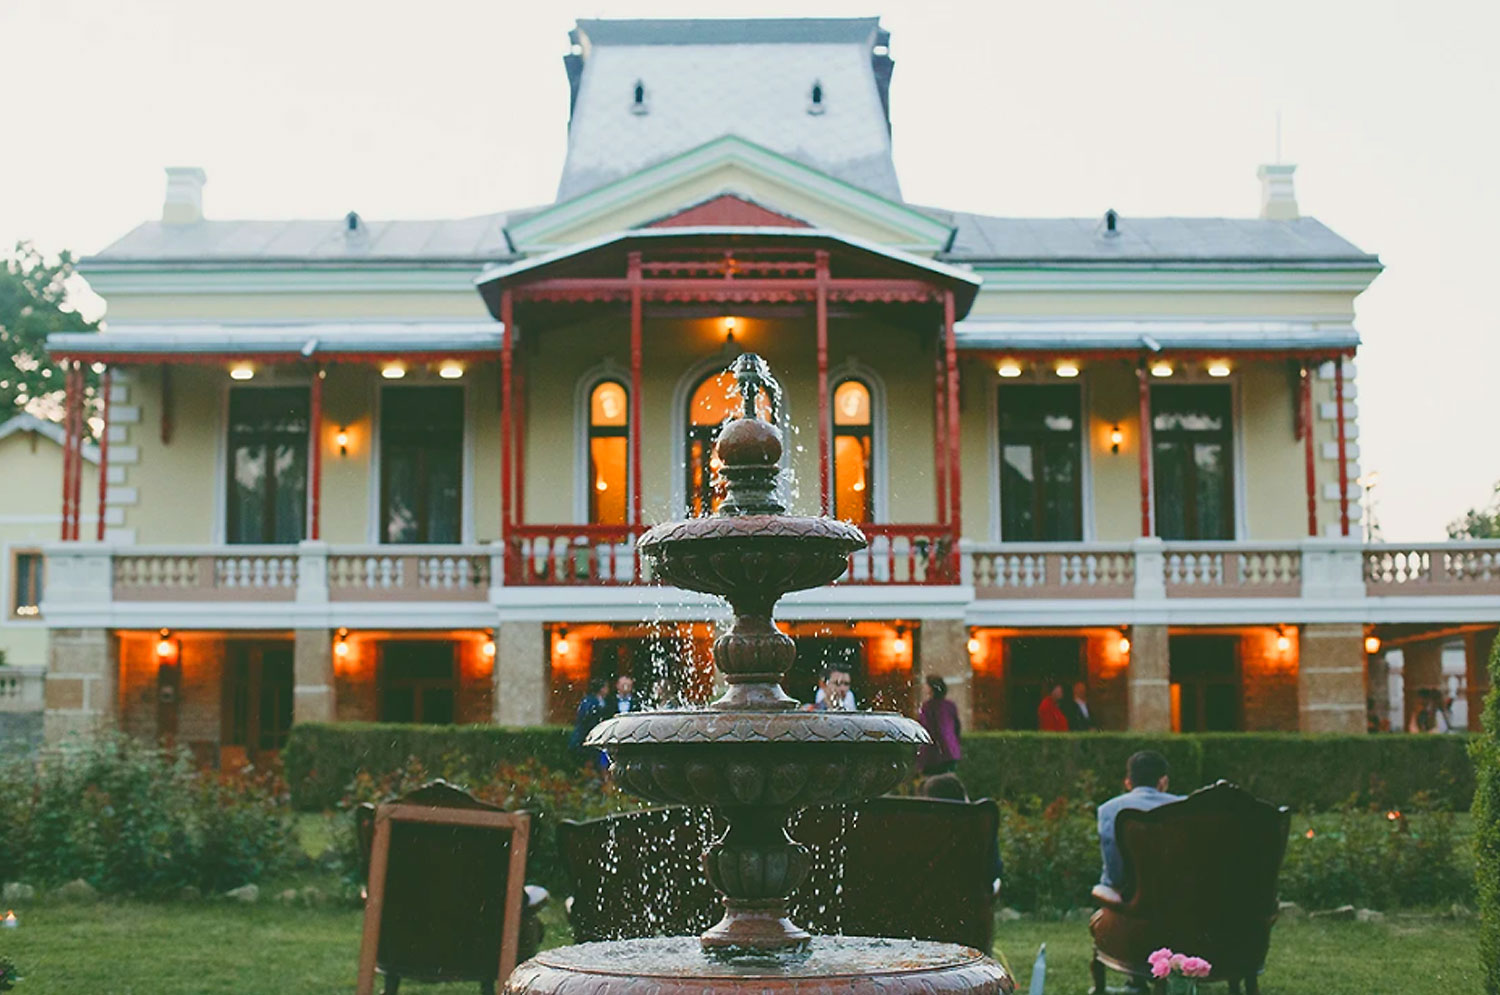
[(130, 948)]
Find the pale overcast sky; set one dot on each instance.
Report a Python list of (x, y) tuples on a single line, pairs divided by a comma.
[(1164, 107)]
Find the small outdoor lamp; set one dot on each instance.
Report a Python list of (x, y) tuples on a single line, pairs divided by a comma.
[(1115, 438), (1009, 369), (241, 371), (393, 371), (1122, 646), (1067, 369), (1161, 369), (898, 645), (974, 646), (563, 646), (1283, 641), (341, 644), (488, 649), (730, 324), (166, 648), (1372, 644), (1218, 368), (341, 439), (451, 370)]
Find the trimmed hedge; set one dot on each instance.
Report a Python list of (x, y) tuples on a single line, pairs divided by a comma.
[(1486, 753), (322, 759), (1308, 773)]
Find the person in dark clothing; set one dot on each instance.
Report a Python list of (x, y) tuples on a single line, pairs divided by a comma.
[(622, 699), (1076, 710), (592, 710)]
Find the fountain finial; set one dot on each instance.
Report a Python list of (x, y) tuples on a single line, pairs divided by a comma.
[(749, 448)]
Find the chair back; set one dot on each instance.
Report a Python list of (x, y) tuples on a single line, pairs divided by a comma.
[(1204, 871), (906, 867)]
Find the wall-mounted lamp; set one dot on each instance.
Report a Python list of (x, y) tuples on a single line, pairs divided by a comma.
[(451, 370), (563, 646), (488, 647), (1122, 645), (898, 645), (1009, 369), (166, 646), (393, 371), (1283, 641), (341, 439), (975, 646), (1372, 644), (1115, 438), (341, 644), (730, 324), (241, 371)]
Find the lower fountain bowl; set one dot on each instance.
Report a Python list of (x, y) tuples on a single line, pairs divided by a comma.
[(850, 965)]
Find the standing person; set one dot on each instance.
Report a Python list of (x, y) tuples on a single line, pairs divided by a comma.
[(939, 717), (1076, 710), (1049, 714), (834, 692), (1146, 779), (664, 696), (623, 700), (593, 709)]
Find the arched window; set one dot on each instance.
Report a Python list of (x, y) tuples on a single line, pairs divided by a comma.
[(853, 452), (609, 450), (713, 401)]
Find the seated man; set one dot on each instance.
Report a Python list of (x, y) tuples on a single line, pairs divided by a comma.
[(1145, 788)]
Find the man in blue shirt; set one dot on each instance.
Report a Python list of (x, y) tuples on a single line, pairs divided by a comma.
[(1145, 788)]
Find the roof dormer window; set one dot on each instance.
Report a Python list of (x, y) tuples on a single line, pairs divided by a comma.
[(815, 98), (638, 99)]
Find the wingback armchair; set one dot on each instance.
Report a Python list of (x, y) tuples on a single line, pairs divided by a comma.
[(1200, 878)]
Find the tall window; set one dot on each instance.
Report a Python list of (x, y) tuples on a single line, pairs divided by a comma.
[(853, 453), (1041, 464), (716, 399), (609, 443), (257, 696), (1205, 683), (421, 464), (1192, 447), (268, 429), (26, 583), (418, 682)]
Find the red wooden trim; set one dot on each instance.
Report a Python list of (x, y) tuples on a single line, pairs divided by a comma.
[(954, 483), (1308, 452), (825, 482), (1144, 387), (520, 425), (315, 456), (1338, 397), (727, 209), (636, 482), (166, 404), (507, 319), (67, 467), (940, 431), (104, 385), (718, 288), (80, 430)]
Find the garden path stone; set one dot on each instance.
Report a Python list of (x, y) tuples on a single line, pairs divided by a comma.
[(1343, 912), (1369, 915), (247, 893), (78, 890), (287, 897), (1290, 910), (1008, 914), (15, 891)]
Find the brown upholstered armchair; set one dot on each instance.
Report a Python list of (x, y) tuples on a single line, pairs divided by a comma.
[(1200, 879)]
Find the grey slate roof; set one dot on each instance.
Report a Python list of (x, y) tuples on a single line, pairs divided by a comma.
[(307, 339), (27, 422), (980, 238), (479, 239), (706, 78)]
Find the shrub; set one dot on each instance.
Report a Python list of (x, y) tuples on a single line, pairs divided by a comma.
[(548, 794), (1051, 855), (322, 759), (1375, 860), (1486, 753), (130, 818)]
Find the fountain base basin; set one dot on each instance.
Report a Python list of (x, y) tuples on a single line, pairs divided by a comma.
[(677, 965)]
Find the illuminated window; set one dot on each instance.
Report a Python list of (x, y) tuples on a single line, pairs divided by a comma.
[(715, 400), (853, 453), (609, 447), (26, 583)]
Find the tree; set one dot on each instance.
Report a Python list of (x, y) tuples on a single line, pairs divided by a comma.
[(1485, 751), (1478, 523), (33, 305)]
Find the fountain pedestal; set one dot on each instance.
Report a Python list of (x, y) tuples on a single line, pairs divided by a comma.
[(756, 757)]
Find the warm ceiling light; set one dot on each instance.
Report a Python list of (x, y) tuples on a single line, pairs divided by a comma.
[(1067, 370), (1010, 368), (451, 371), (393, 371), (1218, 368), (1161, 369), (241, 371), (974, 646), (1372, 644)]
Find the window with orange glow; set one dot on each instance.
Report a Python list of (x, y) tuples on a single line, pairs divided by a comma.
[(715, 400), (853, 453), (609, 446)]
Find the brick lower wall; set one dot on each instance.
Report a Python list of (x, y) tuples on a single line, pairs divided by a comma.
[(1268, 681)]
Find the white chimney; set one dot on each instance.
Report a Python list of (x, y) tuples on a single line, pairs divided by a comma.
[(184, 203), (1278, 197)]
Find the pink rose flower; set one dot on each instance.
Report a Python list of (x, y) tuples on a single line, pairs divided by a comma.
[(1177, 961), (1160, 968), (1164, 953), (1196, 967)]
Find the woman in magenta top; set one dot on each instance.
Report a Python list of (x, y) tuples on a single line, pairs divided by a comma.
[(939, 717)]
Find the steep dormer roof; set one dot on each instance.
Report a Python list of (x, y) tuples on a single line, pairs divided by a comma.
[(811, 89)]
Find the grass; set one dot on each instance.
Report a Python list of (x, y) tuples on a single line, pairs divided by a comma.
[(134, 948)]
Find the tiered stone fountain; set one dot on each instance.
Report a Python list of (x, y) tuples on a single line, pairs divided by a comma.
[(756, 757)]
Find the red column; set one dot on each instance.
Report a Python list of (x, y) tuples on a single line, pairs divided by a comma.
[(507, 320), (940, 431), (1145, 444), (1338, 399), (1308, 452), (104, 385), (520, 426), (825, 481), (315, 456), (67, 467), (950, 344), (634, 443), (166, 404)]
